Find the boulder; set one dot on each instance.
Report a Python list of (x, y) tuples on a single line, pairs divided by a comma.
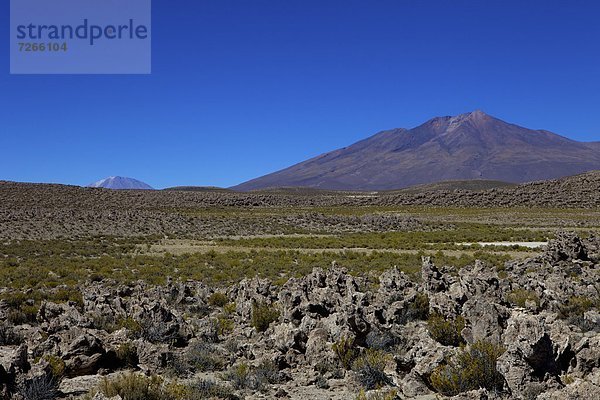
[(318, 348), (54, 317), (485, 320), (14, 359), (530, 357)]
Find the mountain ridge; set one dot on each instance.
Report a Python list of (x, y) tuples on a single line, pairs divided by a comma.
[(473, 145)]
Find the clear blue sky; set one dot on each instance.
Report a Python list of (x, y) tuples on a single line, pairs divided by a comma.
[(243, 88)]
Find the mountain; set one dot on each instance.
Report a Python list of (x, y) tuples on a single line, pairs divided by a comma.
[(120, 183), (468, 146)]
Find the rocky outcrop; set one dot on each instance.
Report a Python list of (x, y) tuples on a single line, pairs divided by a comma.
[(329, 333)]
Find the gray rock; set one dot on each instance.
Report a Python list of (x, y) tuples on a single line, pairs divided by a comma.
[(14, 359), (485, 320), (318, 349), (578, 390), (530, 357)]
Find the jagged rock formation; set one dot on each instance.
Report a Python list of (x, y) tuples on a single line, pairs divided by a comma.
[(541, 312)]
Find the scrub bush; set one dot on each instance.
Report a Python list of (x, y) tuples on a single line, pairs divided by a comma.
[(472, 369)]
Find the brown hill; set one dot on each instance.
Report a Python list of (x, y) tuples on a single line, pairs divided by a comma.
[(468, 146)]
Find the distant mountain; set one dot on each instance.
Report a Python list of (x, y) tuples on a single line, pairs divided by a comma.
[(468, 146), (120, 183)]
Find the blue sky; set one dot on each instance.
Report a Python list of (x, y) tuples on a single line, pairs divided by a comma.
[(243, 88)]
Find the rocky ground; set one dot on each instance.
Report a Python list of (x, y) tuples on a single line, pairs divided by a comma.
[(62, 223), (48, 211), (528, 331)]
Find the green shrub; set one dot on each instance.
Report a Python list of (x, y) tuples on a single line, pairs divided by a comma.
[(25, 314), (446, 332), (111, 323), (56, 364), (22, 308), (472, 369), (41, 387), (138, 387), (329, 367), (66, 295), (14, 300), (206, 389), (267, 372), (135, 387), (370, 367), (240, 376), (30, 312), (66, 262), (263, 315), (575, 307), (176, 366), (417, 309), (134, 327), (127, 355), (391, 394), (218, 299), (519, 297), (345, 352), (229, 309), (204, 357), (225, 325), (567, 379)]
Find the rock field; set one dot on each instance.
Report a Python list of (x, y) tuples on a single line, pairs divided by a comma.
[(529, 331)]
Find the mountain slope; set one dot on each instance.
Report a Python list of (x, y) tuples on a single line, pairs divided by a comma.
[(469, 146), (120, 183)]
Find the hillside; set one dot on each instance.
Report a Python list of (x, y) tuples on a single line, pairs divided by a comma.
[(468, 146), (43, 210)]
